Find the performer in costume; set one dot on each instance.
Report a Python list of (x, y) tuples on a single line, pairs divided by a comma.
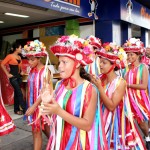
[(34, 51), (146, 60), (75, 108), (120, 130), (94, 67), (6, 123), (137, 83)]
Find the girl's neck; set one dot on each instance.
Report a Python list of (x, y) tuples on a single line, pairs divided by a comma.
[(39, 66), (79, 81), (135, 64), (110, 77), (77, 78), (15, 53)]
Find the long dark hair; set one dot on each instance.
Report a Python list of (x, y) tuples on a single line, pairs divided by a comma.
[(140, 56), (116, 68), (14, 47), (84, 74)]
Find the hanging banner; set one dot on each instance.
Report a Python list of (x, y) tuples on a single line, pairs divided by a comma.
[(135, 13), (83, 8)]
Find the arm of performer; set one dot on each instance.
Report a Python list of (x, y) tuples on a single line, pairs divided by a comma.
[(117, 96), (46, 81), (32, 108), (4, 62)]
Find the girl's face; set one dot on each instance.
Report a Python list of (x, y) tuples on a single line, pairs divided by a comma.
[(132, 57), (105, 65), (33, 61), (19, 49), (148, 51), (65, 66)]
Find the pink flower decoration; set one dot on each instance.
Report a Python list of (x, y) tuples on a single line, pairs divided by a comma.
[(87, 50), (64, 39)]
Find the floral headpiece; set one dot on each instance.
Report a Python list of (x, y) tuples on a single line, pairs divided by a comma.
[(95, 42), (34, 48), (113, 53), (75, 48), (134, 45)]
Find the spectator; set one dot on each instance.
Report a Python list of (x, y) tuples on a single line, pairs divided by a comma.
[(14, 61)]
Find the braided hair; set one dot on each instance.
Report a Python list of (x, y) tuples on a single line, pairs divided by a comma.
[(84, 74)]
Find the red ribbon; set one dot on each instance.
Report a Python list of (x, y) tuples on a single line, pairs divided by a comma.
[(71, 80), (104, 76)]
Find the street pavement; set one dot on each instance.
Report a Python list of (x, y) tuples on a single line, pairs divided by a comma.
[(21, 138)]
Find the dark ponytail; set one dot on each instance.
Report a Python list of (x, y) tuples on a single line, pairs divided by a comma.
[(84, 74), (14, 47)]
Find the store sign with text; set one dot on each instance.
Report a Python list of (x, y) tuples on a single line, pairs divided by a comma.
[(83, 8), (135, 13)]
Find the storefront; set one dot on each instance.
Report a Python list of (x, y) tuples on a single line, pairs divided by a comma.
[(123, 19), (110, 21), (114, 21), (80, 23)]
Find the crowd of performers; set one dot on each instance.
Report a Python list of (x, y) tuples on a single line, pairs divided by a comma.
[(101, 101)]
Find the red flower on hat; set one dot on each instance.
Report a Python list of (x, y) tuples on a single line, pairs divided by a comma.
[(94, 41), (78, 44), (64, 39)]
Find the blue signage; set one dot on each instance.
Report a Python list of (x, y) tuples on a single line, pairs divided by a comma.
[(83, 8), (135, 13)]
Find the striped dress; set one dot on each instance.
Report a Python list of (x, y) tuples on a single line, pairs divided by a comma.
[(35, 82), (139, 99), (146, 60), (120, 129), (64, 136), (93, 68)]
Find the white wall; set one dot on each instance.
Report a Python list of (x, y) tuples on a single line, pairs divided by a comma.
[(12, 38), (116, 33), (86, 30), (146, 39), (149, 37), (36, 33)]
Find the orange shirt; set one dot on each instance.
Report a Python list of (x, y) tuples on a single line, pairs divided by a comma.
[(11, 60)]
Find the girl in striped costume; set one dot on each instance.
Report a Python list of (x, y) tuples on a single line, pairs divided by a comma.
[(34, 51), (120, 130), (75, 108), (94, 67), (146, 60), (137, 82)]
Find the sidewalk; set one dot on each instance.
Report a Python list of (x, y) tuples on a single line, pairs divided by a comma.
[(21, 138)]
